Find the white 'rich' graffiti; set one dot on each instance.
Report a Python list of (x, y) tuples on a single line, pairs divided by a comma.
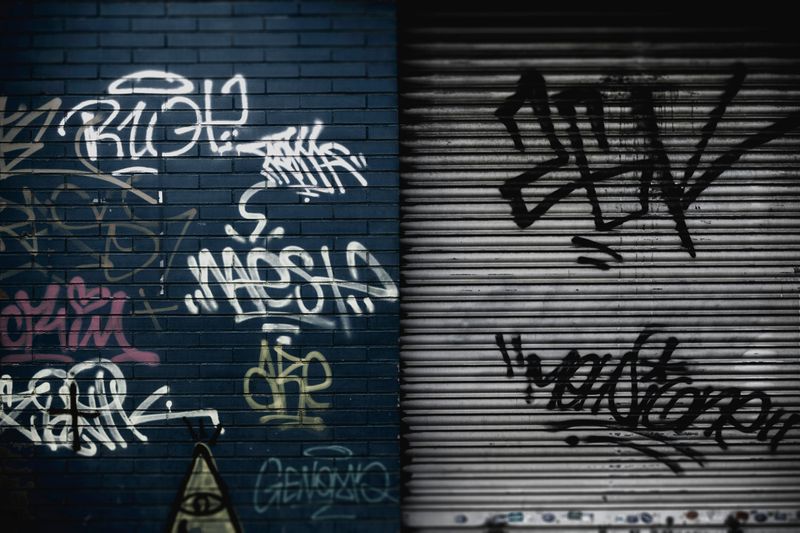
[(83, 408)]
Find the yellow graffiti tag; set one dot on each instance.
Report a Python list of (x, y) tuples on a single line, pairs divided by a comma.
[(281, 369)]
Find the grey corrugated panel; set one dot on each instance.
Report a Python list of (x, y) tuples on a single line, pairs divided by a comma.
[(612, 338), (476, 449), (586, 529)]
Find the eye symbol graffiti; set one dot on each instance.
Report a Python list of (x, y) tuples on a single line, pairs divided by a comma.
[(202, 504)]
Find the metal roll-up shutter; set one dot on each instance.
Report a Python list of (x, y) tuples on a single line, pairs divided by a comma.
[(599, 270)]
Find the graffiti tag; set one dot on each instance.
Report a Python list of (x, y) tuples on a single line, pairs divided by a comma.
[(82, 408), (333, 478), (651, 398)]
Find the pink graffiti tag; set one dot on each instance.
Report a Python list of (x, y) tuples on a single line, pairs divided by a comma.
[(79, 324)]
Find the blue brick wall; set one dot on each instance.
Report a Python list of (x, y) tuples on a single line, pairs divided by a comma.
[(199, 266)]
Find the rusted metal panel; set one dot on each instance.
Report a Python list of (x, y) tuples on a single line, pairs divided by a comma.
[(600, 271)]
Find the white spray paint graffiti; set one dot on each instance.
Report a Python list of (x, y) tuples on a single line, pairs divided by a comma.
[(113, 129), (293, 158), (104, 134), (290, 294), (55, 412), (98, 118), (119, 133), (282, 289)]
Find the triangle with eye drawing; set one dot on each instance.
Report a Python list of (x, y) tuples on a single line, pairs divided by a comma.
[(203, 504)]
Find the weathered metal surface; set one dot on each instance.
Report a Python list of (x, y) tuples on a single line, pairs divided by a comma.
[(624, 186)]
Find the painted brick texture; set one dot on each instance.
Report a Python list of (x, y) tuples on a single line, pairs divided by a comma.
[(200, 266)]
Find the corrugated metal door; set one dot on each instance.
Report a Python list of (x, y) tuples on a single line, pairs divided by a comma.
[(600, 250)]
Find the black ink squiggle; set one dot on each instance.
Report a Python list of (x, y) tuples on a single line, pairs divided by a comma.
[(647, 397)]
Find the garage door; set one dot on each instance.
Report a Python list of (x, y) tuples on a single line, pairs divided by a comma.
[(599, 272)]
